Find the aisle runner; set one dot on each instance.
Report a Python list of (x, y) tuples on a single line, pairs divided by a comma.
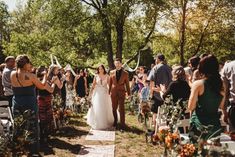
[(98, 135), (97, 151)]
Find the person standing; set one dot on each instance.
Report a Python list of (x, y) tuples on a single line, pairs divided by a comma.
[(160, 74), (207, 96), (23, 86), (101, 102), (119, 85), (228, 77), (6, 80), (2, 97), (80, 84)]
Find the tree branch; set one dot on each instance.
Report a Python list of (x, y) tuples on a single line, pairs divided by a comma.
[(146, 40), (91, 4)]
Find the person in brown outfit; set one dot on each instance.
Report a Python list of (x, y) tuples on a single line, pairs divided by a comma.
[(118, 86)]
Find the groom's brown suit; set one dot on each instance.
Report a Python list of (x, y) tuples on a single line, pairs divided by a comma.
[(118, 91)]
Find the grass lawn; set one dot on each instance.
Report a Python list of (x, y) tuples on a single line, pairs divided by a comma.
[(68, 141)]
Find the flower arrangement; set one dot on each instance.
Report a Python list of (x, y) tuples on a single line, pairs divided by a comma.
[(60, 115), (187, 150), (172, 112), (168, 139), (85, 103), (134, 103)]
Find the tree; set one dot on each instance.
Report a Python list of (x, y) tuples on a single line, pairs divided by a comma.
[(4, 30)]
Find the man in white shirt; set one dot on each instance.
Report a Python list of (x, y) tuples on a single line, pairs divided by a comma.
[(6, 80)]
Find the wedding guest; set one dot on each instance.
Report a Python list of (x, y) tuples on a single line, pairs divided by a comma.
[(193, 64), (141, 77), (179, 87), (54, 73), (160, 74), (80, 84), (6, 80), (207, 96), (2, 97), (23, 86), (228, 77), (70, 91), (44, 100)]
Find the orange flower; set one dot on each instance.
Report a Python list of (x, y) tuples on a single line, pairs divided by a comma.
[(168, 141), (175, 136), (155, 138)]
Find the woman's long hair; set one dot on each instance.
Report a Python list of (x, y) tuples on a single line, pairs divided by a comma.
[(209, 67), (71, 77), (102, 66), (51, 71)]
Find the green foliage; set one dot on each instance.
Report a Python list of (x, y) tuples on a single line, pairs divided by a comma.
[(172, 112), (75, 30), (4, 30)]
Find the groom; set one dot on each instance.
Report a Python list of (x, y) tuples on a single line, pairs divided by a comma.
[(119, 84)]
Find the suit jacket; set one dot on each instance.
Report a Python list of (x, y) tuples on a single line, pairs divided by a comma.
[(120, 86)]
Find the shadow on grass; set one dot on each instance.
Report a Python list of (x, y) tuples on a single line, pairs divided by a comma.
[(77, 123), (131, 129), (59, 144), (70, 132)]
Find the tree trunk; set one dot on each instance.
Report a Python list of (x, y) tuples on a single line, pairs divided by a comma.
[(119, 30), (108, 40), (182, 31)]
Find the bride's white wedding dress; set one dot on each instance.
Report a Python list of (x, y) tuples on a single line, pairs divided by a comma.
[(100, 114)]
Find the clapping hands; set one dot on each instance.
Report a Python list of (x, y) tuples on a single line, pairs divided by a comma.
[(54, 79), (163, 88)]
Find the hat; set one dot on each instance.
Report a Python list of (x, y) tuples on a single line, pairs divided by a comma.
[(160, 57), (8, 58)]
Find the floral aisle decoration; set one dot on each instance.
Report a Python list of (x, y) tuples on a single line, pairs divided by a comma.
[(60, 115), (85, 103)]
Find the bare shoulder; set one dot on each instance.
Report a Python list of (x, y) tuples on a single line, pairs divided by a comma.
[(198, 85), (198, 82), (13, 73), (31, 75)]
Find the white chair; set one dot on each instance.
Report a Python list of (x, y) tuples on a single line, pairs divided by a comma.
[(159, 121), (184, 123), (6, 119)]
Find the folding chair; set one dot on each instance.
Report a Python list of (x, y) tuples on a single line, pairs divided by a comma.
[(184, 123), (159, 121), (6, 119)]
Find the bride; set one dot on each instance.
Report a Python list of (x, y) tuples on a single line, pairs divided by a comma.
[(100, 115)]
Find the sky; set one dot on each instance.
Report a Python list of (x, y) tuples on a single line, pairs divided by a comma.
[(13, 3)]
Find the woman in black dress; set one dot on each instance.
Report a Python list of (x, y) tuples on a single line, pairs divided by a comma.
[(80, 84)]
